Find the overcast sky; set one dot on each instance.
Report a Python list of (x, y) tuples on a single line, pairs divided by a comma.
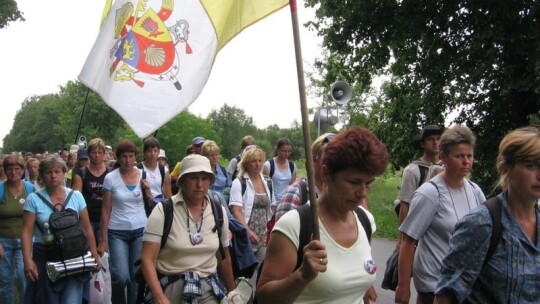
[(256, 71)]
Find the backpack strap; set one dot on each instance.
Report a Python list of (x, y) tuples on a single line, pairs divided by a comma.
[(243, 185), (291, 166), (304, 193), (269, 184), (364, 220), (223, 170), (162, 173), (272, 167), (494, 206), (306, 229), (46, 201), (217, 211), (2, 186), (168, 210), (423, 174)]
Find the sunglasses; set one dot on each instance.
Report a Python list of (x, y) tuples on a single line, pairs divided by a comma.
[(328, 138)]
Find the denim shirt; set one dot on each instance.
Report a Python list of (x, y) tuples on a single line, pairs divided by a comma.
[(512, 273), (223, 179)]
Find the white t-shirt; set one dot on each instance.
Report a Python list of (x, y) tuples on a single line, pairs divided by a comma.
[(127, 211), (431, 221), (179, 255), (155, 180), (345, 280)]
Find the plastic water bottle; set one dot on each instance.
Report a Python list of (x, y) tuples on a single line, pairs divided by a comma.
[(48, 237)]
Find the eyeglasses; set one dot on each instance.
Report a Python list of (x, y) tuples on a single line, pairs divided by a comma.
[(251, 147), (328, 138)]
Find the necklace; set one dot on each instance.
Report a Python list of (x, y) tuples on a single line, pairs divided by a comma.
[(452, 199), (197, 237)]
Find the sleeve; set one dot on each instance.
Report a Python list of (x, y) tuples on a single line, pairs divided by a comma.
[(107, 183), (290, 200), (176, 170), (30, 203), (289, 225), (422, 210), (409, 183), (232, 166), (154, 225), (235, 197), (267, 165), (468, 248), (225, 229), (78, 199)]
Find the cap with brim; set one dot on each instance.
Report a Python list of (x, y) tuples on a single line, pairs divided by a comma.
[(196, 163), (82, 154), (426, 132), (198, 140)]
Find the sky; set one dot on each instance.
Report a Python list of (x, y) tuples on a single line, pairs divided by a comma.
[(256, 71)]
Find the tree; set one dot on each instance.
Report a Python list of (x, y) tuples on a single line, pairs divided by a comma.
[(9, 11), (477, 59), (231, 124)]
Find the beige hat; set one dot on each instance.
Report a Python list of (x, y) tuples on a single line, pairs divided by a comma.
[(196, 163), (162, 154)]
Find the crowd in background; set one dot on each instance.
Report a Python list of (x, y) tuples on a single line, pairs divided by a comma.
[(116, 198)]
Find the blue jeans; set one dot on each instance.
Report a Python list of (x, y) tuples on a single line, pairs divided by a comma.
[(11, 270), (125, 248), (69, 290)]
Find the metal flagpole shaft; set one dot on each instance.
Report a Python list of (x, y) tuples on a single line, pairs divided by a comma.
[(81, 117), (305, 119)]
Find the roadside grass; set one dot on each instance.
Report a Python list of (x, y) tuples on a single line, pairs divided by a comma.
[(381, 199)]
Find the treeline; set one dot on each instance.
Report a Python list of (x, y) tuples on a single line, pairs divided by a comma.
[(50, 122)]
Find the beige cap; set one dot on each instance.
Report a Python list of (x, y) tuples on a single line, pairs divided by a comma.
[(196, 163), (162, 154)]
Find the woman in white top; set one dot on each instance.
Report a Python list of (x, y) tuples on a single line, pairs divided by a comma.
[(122, 222), (339, 267), (284, 171), (252, 207)]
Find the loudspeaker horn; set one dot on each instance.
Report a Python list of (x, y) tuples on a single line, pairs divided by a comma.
[(340, 92)]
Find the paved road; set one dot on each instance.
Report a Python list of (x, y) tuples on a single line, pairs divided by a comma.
[(381, 250)]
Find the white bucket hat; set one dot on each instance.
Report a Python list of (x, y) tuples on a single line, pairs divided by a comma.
[(162, 154), (196, 163)]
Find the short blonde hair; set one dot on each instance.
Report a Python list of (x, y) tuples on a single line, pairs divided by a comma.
[(249, 154), (95, 144), (208, 147), (520, 145)]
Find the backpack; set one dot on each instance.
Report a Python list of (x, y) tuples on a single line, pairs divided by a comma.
[(149, 207), (235, 173), (273, 167), (69, 238), (29, 189), (143, 294), (304, 236)]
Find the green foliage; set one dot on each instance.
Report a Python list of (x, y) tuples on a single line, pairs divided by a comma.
[(9, 12), (231, 124), (381, 204), (477, 61)]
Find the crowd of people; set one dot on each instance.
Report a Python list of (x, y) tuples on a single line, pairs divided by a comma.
[(175, 222)]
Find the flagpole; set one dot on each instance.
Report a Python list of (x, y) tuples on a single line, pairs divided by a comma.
[(305, 119), (81, 117)]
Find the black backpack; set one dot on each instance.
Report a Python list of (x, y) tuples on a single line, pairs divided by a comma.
[(149, 207), (69, 239), (306, 230)]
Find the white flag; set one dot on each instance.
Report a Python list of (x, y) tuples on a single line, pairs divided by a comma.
[(152, 58)]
